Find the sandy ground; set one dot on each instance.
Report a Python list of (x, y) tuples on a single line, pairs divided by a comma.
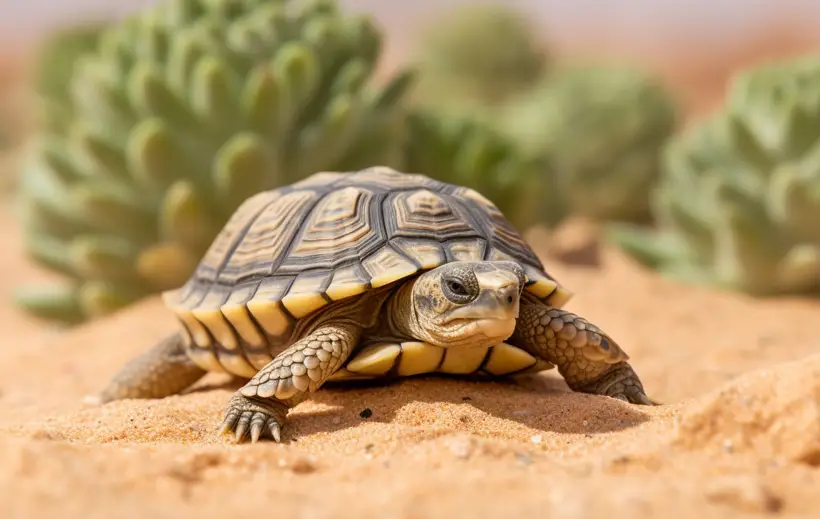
[(738, 434)]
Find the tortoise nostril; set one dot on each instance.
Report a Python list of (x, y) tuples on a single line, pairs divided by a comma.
[(509, 299)]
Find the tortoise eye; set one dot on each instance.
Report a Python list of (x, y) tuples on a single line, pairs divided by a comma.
[(456, 290)]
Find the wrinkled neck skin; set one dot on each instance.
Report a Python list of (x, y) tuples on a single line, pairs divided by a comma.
[(402, 320)]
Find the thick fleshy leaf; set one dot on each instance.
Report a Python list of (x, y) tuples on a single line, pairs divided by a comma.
[(154, 158), (297, 68), (645, 245), (107, 157), (184, 217), (213, 95), (326, 141), (799, 271), (97, 298), (262, 103), (57, 158), (104, 258), (244, 167), (113, 210), (166, 265), (56, 303), (185, 52), (152, 97), (52, 253)]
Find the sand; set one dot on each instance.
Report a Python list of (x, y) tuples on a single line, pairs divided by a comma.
[(738, 434)]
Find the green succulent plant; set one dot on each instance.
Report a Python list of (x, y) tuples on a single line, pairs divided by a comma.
[(739, 203), (57, 55), (478, 55), (181, 113), (603, 128), (468, 150)]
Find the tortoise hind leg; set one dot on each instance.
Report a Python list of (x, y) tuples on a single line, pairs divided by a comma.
[(162, 371)]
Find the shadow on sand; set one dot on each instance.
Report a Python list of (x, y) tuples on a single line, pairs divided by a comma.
[(541, 402)]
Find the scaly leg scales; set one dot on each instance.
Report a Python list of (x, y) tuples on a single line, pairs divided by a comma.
[(260, 407), (588, 359)]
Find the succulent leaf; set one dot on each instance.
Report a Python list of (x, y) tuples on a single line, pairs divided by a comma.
[(51, 253), (104, 258), (107, 208), (162, 265), (98, 298), (184, 217), (214, 95), (244, 167), (298, 70), (107, 158), (56, 303), (152, 97)]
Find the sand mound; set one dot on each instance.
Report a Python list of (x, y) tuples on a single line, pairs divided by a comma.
[(773, 412)]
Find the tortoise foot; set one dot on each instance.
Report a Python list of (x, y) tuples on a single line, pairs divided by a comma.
[(258, 418), (619, 382)]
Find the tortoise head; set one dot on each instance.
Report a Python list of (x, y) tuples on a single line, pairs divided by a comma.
[(468, 303)]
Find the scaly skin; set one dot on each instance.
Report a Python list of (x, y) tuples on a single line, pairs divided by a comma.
[(162, 371), (588, 359), (325, 341), (260, 407)]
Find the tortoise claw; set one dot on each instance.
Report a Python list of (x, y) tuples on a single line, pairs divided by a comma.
[(257, 419), (619, 382)]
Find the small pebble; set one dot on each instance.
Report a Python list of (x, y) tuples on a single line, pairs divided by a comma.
[(300, 465), (366, 413), (536, 439), (745, 494), (461, 447), (524, 459)]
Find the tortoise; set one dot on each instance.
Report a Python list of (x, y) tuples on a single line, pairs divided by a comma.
[(367, 274)]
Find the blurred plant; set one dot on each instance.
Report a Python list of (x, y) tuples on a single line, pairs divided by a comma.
[(183, 112), (739, 205), (603, 128), (56, 57), (478, 55), (468, 151), (51, 72)]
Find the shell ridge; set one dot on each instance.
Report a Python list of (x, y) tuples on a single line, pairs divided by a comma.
[(475, 218), (291, 241), (242, 233)]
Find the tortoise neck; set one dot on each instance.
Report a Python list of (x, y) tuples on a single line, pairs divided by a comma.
[(400, 318)]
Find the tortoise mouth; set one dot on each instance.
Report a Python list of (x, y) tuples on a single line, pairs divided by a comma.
[(499, 327)]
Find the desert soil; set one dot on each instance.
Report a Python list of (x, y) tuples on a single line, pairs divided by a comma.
[(738, 434)]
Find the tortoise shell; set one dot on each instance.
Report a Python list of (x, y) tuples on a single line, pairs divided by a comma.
[(287, 252)]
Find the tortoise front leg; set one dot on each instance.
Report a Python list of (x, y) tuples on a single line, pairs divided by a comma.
[(588, 359), (260, 407)]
